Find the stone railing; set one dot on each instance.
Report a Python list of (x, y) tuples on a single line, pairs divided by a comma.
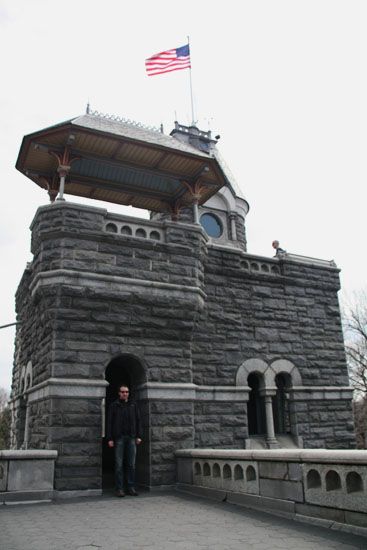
[(26, 475), (326, 485), (134, 227)]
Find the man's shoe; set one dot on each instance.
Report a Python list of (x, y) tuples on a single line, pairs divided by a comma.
[(120, 493), (132, 492)]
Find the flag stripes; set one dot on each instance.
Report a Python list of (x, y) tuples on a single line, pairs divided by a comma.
[(168, 61)]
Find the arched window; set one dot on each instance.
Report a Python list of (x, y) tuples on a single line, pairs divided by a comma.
[(212, 225), (281, 404), (255, 406)]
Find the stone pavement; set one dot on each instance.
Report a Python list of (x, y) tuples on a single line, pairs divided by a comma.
[(159, 521)]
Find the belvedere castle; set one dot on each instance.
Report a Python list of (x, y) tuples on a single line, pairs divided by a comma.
[(222, 349)]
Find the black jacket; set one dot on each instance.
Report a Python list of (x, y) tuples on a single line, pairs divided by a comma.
[(123, 419)]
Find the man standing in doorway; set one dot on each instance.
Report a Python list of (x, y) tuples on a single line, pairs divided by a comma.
[(123, 434)]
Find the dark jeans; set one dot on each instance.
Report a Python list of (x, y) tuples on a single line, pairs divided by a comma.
[(125, 448)]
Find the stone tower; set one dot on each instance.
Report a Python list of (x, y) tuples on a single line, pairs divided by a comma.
[(221, 348)]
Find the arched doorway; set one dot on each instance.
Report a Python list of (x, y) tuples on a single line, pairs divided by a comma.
[(121, 370)]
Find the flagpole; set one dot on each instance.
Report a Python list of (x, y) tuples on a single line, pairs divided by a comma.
[(192, 99)]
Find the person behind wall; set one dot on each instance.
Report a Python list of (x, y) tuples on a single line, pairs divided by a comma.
[(124, 434), (278, 251)]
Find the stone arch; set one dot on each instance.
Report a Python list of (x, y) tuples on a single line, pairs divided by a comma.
[(332, 481), (197, 469), (354, 482), (248, 367), (140, 232), (250, 473), (227, 472), (313, 479), (280, 366), (125, 368), (111, 227)]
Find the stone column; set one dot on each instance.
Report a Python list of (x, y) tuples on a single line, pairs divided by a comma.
[(63, 172), (232, 217), (270, 434)]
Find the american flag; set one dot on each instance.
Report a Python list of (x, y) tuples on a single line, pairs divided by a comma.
[(170, 60)]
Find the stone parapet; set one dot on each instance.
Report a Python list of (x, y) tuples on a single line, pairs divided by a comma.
[(26, 475), (301, 483)]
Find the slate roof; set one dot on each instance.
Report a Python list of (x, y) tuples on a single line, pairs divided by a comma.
[(124, 162)]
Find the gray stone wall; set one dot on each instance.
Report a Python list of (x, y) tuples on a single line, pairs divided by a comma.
[(255, 311), (220, 425), (293, 315), (326, 424)]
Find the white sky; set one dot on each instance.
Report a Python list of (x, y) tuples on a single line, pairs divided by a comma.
[(282, 81)]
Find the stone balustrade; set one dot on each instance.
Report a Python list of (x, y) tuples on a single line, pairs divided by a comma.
[(134, 227), (26, 475), (326, 485)]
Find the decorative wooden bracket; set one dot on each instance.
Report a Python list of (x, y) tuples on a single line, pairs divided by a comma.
[(52, 186), (64, 161)]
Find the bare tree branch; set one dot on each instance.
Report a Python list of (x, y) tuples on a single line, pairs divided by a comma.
[(355, 330), (4, 397)]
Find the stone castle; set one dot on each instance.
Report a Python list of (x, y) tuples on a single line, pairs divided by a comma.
[(222, 349)]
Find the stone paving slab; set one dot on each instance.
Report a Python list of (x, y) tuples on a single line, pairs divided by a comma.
[(158, 521)]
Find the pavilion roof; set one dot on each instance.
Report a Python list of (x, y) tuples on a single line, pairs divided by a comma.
[(121, 162)]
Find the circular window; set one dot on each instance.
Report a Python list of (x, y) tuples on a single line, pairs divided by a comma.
[(211, 225)]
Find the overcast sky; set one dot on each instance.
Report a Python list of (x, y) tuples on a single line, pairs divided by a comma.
[(283, 83)]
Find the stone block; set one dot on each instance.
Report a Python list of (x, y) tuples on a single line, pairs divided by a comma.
[(261, 502), (3, 474), (294, 471), (286, 490), (30, 475), (273, 470), (78, 484), (184, 471), (356, 518), (331, 514)]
